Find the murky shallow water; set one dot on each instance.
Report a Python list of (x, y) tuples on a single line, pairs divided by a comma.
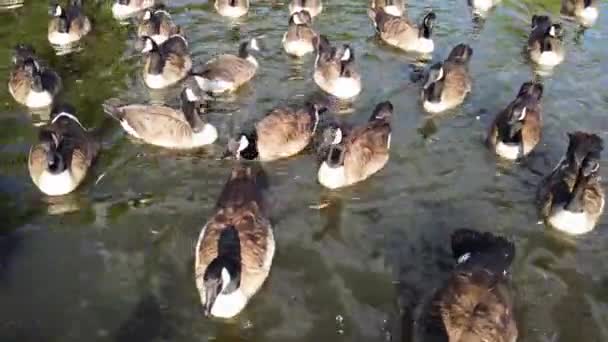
[(114, 260)]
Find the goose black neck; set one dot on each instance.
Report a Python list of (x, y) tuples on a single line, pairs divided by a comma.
[(251, 151), (576, 203), (157, 63), (433, 92)]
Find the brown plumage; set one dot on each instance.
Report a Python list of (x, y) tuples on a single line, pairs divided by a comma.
[(123, 9), (392, 7), (476, 304), (402, 33), (299, 38), (517, 129), (157, 24), (241, 208), (30, 82), (314, 7), (585, 12), (232, 8), (545, 44), (335, 69), (68, 25), (571, 198), (166, 64)]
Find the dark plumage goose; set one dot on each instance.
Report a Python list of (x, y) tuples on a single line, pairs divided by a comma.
[(584, 11), (476, 303), (61, 158), (402, 33), (571, 198), (123, 9), (235, 248), (157, 24), (299, 38), (314, 7), (393, 7), (335, 70), (351, 157), (517, 129), (164, 126), (545, 44), (69, 25), (281, 133), (226, 73), (30, 83), (232, 8), (449, 82), (166, 64)]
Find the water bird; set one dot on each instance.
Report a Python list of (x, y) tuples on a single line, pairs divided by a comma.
[(585, 12), (393, 7), (123, 9), (166, 64), (157, 24), (68, 25), (335, 71), (545, 44), (313, 7), (232, 8), (299, 38), (401, 33)]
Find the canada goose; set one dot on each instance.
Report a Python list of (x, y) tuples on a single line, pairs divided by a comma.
[(123, 9), (355, 156), (585, 11), (517, 129), (314, 7), (235, 248), (226, 73), (476, 303), (164, 126), (68, 25), (335, 70), (281, 133), (166, 64), (299, 38), (65, 150), (30, 83), (393, 7), (545, 43), (449, 82), (157, 24), (402, 33), (571, 198), (232, 8), (483, 6)]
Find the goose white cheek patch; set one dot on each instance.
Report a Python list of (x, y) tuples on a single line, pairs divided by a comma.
[(254, 45), (243, 143), (147, 46), (338, 137), (190, 95), (346, 55), (58, 11)]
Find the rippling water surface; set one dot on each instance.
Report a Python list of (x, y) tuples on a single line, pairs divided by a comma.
[(113, 261)]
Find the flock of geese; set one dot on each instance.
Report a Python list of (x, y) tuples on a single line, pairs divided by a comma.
[(235, 248)]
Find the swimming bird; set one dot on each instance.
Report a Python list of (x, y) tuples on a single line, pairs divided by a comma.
[(226, 73), (281, 133), (166, 64), (235, 248), (299, 38), (123, 9), (349, 157), (517, 129), (30, 83), (483, 6), (571, 198), (157, 24), (545, 44), (60, 160), (448, 83), (335, 70), (584, 11), (476, 302), (402, 33), (393, 7), (164, 126), (314, 7), (232, 8), (68, 26)]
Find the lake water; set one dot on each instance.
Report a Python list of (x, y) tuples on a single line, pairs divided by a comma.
[(114, 260)]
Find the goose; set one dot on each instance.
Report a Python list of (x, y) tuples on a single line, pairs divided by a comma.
[(166, 64), (483, 6), (123, 9), (335, 71), (60, 160), (299, 38), (402, 33), (157, 24), (571, 198), (226, 73), (313, 7), (355, 156), (476, 302), (281, 133), (235, 248), (584, 11), (517, 129), (545, 44), (449, 82), (164, 126), (393, 7), (30, 83), (68, 25), (232, 8)]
